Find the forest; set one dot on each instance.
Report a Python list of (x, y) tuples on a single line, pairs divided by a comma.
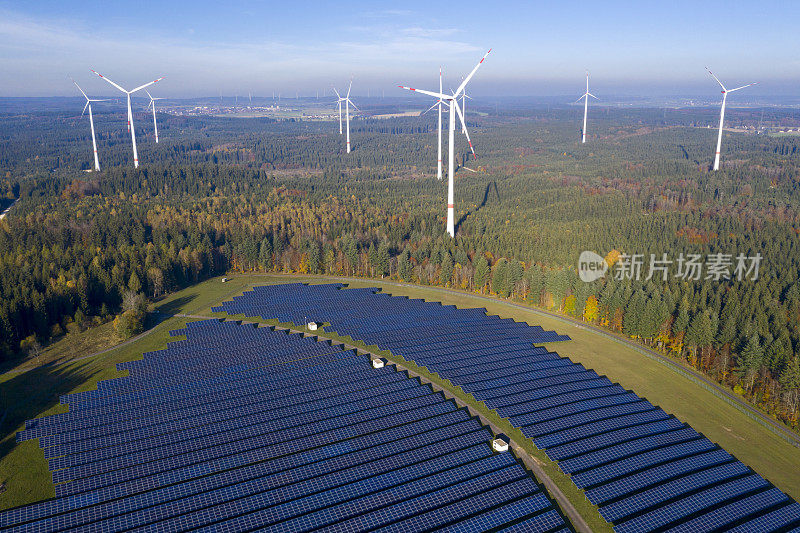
[(220, 194)]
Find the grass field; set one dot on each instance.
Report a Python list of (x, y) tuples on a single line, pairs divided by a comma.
[(36, 392)]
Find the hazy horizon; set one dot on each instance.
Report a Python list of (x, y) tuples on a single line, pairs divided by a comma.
[(204, 49)]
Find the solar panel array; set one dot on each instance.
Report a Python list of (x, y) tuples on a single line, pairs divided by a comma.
[(645, 469), (239, 428)]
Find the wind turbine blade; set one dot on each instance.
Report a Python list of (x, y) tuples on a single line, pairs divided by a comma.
[(579, 99), (463, 125), (352, 104), (743, 86), (140, 87), (79, 88), (109, 81), (466, 80), (440, 79), (430, 108), (348, 89), (337, 93), (716, 78), (148, 94), (103, 100), (593, 96), (470, 169), (429, 93), (84, 107)]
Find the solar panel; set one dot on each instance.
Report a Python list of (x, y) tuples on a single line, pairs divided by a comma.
[(250, 445), (615, 444)]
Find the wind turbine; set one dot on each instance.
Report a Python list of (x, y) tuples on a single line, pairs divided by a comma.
[(130, 113), (153, 105), (452, 101), (464, 97), (339, 101), (585, 96), (439, 103), (91, 121), (722, 114), (347, 104)]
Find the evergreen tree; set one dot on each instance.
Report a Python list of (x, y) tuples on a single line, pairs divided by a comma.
[(404, 266), (681, 324), (500, 278), (699, 334), (790, 377), (750, 360), (350, 252), (634, 311), (265, 254), (481, 272), (446, 272), (383, 259), (648, 324), (313, 257), (134, 284), (790, 382), (535, 284)]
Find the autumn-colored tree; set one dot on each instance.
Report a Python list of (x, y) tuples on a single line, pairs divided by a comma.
[(591, 310)]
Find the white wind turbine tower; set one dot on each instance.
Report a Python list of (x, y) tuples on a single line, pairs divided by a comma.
[(153, 105), (439, 103), (91, 121), (347, 104), (722, 114), (452, 101), (339, 102), (130, 113), (585, 97)]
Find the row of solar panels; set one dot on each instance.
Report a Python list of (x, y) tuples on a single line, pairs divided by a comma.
[(645, 470), (328, 303), (295, 442)]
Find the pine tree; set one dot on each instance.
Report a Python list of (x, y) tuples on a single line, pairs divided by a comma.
[(500, 278), (446, 273), (481, 272), (383, 258), (350, 249), (790, 377), (535, 284), (790, 382), (648, 324), (750, 360), (633, 315), (265, 254), (699, 334), (313, 257), (682, 320), (404, 266), (134, 284)]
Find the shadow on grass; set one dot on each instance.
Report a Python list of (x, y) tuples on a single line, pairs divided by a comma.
[(176, 305), (31, 393)]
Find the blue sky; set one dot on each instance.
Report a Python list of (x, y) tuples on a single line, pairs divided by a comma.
[(539, 48)]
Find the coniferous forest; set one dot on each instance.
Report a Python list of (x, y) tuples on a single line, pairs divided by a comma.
[(220, 194)]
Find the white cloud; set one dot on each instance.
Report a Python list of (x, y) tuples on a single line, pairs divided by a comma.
[(38, 56)]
